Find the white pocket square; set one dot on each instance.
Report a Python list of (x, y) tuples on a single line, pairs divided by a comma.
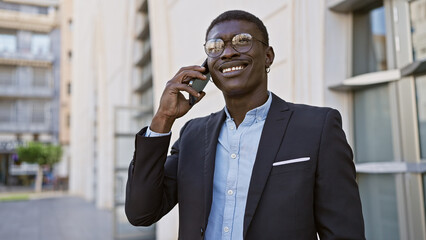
[(295, 160)]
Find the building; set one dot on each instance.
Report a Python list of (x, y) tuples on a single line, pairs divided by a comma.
[(29, 81), (365, 58), (66, 23), (111, 48)]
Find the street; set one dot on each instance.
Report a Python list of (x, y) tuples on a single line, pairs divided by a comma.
[(55, 218)]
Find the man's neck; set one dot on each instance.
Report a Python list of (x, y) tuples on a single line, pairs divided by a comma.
[(239, 106)]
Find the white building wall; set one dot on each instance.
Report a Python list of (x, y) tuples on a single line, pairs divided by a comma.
[(115, 37), (83, 101), (102, 68)]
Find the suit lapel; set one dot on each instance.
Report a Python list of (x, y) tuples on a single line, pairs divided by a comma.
[(270, 141), (212, 130)]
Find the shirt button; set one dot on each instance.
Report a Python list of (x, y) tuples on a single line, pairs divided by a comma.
[(259, 119), (233, 155), (231, 127), (226, 229), (230, 192)]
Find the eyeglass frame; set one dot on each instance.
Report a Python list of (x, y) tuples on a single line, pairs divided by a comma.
[(224, 44)]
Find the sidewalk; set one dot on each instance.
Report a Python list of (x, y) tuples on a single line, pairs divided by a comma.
[(29, 194), (53, 216)]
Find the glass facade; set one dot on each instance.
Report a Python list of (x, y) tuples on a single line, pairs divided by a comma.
[(387, 35), (374, 123), (7, 75), (8, 42), (421, 112), (373, 128), (127, 122), (379, 205), (418, 29), (40, 77), (23, 8), (38, 114), (369, 41), (40, 44), (6, 111)]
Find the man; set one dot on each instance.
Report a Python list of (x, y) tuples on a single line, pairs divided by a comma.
[(261, 168)]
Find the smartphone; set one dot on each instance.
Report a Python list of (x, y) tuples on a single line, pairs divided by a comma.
[(199, 84)]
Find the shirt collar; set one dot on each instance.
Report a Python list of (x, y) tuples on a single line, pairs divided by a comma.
[(258, 114)]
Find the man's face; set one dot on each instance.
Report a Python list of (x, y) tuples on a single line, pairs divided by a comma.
[(249, 76)]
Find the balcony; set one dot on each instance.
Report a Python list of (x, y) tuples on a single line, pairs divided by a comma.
[(144, 80), (16, 91), (145, 59), (143, 87), (31, 128), (142, 25), (28, 21), (144, 32), (26, 59), (45, 3)]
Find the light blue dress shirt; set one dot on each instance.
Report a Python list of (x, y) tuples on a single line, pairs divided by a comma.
[(235, 155)]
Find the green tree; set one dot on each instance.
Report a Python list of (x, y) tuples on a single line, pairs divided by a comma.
[(41, 154)]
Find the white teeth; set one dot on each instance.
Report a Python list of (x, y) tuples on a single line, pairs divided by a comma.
[(232, 69)]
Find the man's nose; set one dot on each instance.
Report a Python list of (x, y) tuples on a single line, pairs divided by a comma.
[(229, 52)]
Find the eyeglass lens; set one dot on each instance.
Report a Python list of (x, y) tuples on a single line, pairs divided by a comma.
[(241, 43)]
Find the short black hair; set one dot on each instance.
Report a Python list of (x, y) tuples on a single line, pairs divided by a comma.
[(240, 15)]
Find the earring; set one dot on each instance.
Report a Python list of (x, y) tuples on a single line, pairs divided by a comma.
[(268, 69)]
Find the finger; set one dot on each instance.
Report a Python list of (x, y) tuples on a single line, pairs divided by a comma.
[(188, 89), (202, 94), (192, 68), (187, 76)]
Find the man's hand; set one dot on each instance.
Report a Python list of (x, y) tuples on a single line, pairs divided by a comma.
[(173, 103)]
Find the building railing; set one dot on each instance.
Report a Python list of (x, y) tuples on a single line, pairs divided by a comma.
[(26, 127), (27, 56), (17, 91)]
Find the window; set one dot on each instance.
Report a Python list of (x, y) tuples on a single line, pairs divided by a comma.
[(9, 6), (379, 203), (7, 42), (33, 9), (40, 44), (7, 75), (374, 143), (373, 123), (369, 41), (389, 169), (373, 128), (418, 28), (421, 112), (6, 111), (40, 77), (25, 41), (69, 88), (38, 112)]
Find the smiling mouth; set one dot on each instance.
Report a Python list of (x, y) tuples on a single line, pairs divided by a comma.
[(232, 69)]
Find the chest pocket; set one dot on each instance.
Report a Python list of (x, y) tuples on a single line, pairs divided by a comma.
[(291, 164)]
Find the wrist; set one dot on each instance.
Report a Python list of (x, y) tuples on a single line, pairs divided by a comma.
[(161, 124)]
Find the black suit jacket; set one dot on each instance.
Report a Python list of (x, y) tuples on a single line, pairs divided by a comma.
[(289, 201)]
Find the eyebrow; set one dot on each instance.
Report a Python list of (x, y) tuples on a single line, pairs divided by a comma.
[(229, 38)]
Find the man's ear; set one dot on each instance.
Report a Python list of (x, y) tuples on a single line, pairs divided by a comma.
[(270, 55)]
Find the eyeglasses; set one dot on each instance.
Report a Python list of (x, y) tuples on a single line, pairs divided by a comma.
[(242, 43)]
